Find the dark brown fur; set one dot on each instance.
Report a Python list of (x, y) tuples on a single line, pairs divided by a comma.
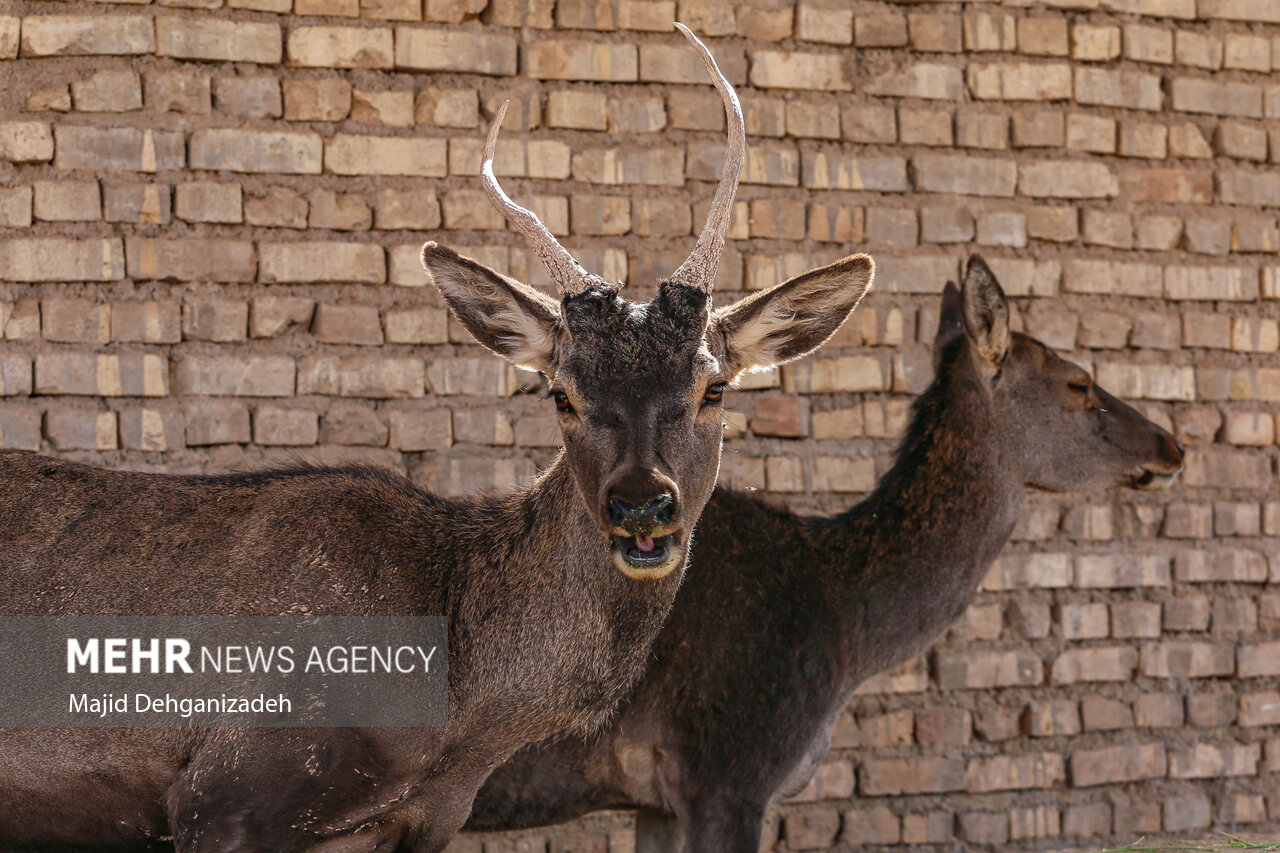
[(548, 625), (783, 616)]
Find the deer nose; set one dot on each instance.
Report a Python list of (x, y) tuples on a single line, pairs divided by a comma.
[(656, 511)]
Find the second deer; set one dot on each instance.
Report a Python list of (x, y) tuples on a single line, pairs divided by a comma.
[(782, 616)]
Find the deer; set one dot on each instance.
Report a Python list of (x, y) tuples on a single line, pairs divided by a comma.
[(783, 616), (552, 594)]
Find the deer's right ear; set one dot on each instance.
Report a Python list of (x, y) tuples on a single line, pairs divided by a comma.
[(516, 321), (986, 312), (794, 318)]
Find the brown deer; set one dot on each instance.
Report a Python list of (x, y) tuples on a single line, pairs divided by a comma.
[(552, 594), (782, 616)]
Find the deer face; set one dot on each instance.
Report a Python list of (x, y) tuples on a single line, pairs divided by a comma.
[(1063, 430), (637, 386)]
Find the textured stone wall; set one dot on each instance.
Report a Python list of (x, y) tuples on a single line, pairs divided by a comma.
[(209, 217)]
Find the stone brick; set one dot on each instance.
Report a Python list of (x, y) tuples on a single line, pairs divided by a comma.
[(347, 324), (208, 201), (1194, 95), (985, 670), (275, 426), (1148, 44), (152, 430), (67, 201), (338, 211), (147, 204), (1098, 713), (447, 107), (812, 829), (75, 321), (1144, 139), (10, 26), (982, 130), (77, 429), (1123, 89), (236, 376), (326, 99), (1066, 179), (922, 80), (318, 261), (1111, 663), (117, 148), (214, 40), (1199, 50), (55, 259), (278, 207), (362, 376), (1106, 228), (1239, 10), (249, 97), (76, 35), (108, 92), (1043, 36), (960, 175), (1094, 43), (150, 322), (180, 91), (1159, 710), (1086, 820), (473, 52), (85, 374), (210, 422), (1114, 764), (1009, 773), (880, 30), (1020, 81), (985, 827), (579, 110), (223, 320), (1211, 283), (1167, 186), (190, 260), (1260, 709), (646, 166), (827, 25), (271, 316), (990, 31), (15, 207), (569, 59), (895, 776), (256, 151), (1187, 660), (935, 33), (1259, 660), (1091, 133), (341, 47)]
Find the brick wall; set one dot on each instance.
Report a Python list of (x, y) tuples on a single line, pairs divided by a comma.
[(209, 218)]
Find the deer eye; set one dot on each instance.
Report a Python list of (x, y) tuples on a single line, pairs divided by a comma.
[(1079, 387), (563, 405), (715, 393)]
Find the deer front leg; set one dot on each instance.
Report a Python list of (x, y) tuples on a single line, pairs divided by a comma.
[(658, 833), (718, 826)]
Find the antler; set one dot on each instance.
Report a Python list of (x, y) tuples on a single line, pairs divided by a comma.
[(566, 272), (701, 267)]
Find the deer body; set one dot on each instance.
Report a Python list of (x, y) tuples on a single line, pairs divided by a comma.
[(552, 595), (783, 616)]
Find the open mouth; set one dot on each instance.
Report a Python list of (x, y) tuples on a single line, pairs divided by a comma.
[(644, 557), (1152, 481)]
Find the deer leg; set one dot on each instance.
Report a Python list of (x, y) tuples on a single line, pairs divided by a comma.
[(658, 833), (723, 826)]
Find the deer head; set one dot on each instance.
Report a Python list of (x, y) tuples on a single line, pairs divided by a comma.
[(638, 386), (1060, 429)]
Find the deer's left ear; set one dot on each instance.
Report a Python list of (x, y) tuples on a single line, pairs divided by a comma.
[(794, 318), (986, 312), (512, 319)]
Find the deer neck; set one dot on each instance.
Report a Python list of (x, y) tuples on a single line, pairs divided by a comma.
[(919, 546)]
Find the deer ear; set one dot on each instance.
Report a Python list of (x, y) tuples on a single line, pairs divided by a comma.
[(513, 319), (794, 318), (986, 312), (950, 321)]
